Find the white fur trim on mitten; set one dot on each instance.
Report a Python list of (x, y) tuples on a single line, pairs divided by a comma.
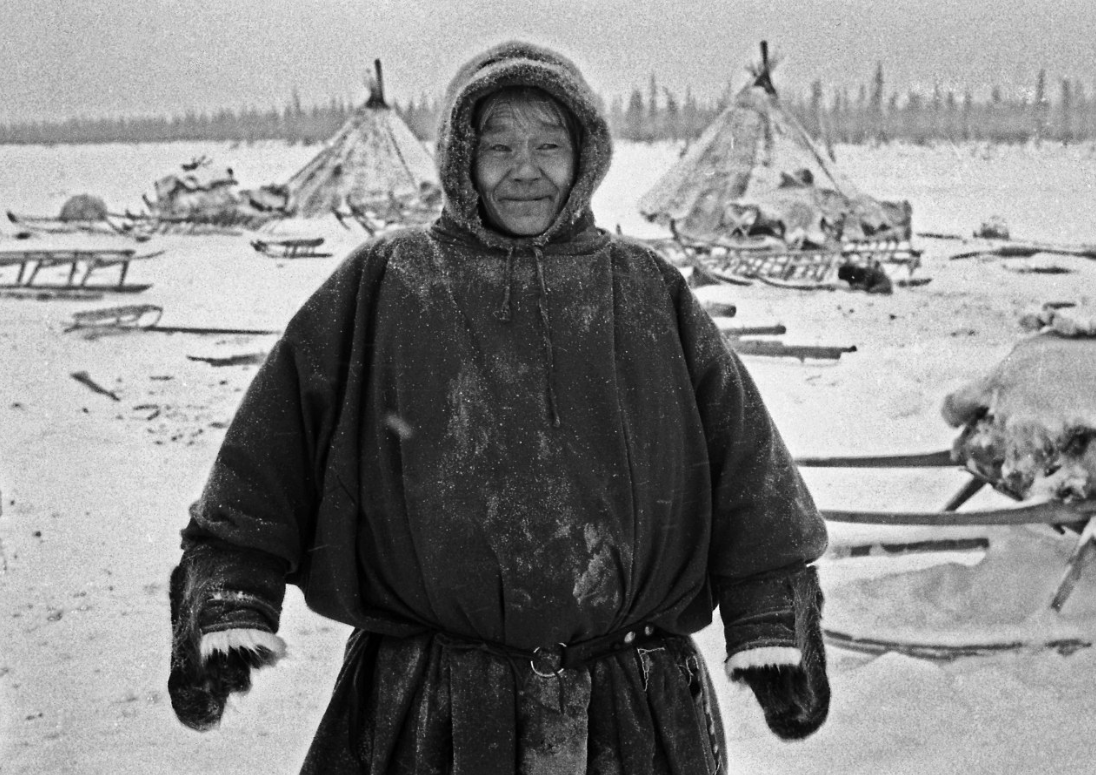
[(243, 639), (765, 656)]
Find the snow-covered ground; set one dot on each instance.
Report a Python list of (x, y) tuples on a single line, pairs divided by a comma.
[(94, 490)]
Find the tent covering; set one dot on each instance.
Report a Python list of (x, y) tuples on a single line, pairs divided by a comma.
[(372, 160), (755, 171)]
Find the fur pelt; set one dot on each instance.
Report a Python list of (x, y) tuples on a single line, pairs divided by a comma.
[(241, 639), (766, 656)]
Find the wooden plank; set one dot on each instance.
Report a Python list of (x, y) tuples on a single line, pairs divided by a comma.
[(779, 349), (938, 459), (62, 256), (1081, 556), (1047, 513)]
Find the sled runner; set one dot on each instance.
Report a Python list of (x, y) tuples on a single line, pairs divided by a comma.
[(142, 317), (290, 248), (947, 652), (111, 225), (1078, 516), (81, 264)]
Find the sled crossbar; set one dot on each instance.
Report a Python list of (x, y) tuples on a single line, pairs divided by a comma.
[(939, 459), (1048, 513)]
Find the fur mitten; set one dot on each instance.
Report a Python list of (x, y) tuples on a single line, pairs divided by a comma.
[(773, 627), (218, 637)]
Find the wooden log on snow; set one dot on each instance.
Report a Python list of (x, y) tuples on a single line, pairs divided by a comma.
[(1028, 249), (779, 349)]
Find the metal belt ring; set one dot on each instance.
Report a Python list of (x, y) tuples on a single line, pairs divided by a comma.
[(556, 672)]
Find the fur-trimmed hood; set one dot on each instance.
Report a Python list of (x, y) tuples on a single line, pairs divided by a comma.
[(518, 64)]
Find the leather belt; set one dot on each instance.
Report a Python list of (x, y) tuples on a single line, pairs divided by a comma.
[(548, 661)]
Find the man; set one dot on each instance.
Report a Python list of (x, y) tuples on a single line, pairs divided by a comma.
[(515, 454)]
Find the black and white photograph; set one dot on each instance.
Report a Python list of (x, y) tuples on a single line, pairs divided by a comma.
[(570, 388)]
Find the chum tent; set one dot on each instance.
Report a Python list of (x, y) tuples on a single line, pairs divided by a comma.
[(373, 160), (755, 171)]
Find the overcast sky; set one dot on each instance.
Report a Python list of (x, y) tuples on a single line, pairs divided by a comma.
[(95, 58)]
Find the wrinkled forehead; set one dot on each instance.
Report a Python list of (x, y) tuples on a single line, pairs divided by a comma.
[(520, 107)]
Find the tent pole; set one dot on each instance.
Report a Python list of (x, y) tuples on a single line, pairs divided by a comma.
[(380, 80)]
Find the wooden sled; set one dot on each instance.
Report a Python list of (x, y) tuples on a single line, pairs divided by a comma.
[(143, 317), (81, 265), (226, 223), (111, 225), (1076, 516), (741, 261), (290, 248), (1079, 517), (382, 216)]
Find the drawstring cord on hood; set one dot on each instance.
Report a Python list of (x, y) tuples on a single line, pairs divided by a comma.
[(504, 313), (546, 325)]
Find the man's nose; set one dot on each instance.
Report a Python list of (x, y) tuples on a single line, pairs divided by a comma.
[(525, 167)]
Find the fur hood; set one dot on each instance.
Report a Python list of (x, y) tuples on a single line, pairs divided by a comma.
[(518, 64)]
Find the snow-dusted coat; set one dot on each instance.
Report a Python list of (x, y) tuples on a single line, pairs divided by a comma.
[(514, 442)]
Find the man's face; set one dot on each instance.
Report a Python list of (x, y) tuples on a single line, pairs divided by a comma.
[(524, 167)]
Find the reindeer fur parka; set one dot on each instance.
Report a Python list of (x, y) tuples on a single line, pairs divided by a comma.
[(469, 446)]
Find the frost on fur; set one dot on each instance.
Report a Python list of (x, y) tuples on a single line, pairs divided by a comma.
[(267, 646), (766, 656)]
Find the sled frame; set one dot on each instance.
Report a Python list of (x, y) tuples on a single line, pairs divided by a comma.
[(291, 248), (31, 262), (1080, 515)]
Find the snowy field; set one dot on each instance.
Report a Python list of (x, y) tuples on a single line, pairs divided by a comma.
[(95, 490)]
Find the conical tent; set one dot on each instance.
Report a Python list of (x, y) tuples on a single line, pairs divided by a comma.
[(372, 160), (756, 171)]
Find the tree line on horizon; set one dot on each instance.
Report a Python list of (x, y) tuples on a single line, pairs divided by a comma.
[(868, 114)]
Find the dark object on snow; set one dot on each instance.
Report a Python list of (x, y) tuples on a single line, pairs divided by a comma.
[(85, 379), (244, 359), (994, 228), (720, 310), (869, 278), (795, 698), (84, 207)]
